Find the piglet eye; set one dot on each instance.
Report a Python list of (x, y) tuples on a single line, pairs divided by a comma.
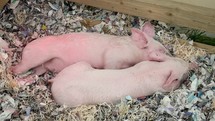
[(176, 80), (146, 47)]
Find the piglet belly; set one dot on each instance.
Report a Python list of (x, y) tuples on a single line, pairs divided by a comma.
[(106, 88)]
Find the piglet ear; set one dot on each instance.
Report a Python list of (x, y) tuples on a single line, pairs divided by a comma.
[(139, 38), (170, 83), (193, 66), (148, 29)]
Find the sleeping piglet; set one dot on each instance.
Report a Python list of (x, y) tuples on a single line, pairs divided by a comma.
[(81, 84), (99, 50)]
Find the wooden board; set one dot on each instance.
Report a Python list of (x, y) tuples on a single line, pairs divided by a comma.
[(199, 14)]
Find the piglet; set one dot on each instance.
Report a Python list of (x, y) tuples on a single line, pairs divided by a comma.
[(81, 84), (54, 53)]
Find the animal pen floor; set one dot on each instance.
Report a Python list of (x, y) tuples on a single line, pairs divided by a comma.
[(24, 20)]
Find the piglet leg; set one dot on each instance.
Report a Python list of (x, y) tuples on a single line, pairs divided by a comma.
[(38, 57)]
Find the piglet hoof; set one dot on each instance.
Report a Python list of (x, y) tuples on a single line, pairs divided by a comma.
[(141, 98), (12, 69), (27, 80)]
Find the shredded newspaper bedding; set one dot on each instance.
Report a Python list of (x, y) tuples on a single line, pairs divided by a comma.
[(22, 21)]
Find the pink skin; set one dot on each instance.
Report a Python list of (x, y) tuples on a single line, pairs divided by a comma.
[(54, 53), (3, 44), (81, 84)]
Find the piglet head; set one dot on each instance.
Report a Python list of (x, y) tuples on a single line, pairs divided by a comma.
[(152, 50), (178, 73)]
